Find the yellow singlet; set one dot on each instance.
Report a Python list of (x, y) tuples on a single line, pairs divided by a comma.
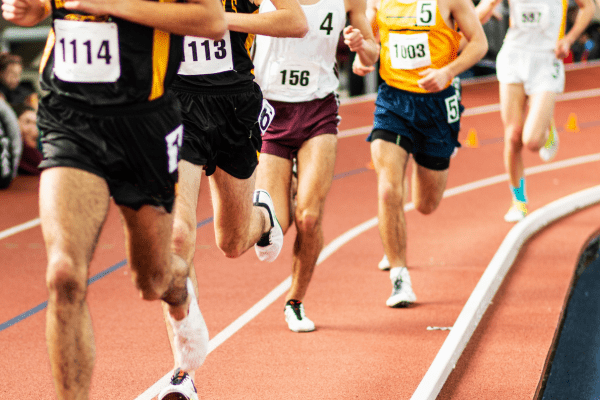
[(414, 37)]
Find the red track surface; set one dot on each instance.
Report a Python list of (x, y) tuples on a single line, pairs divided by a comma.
[(361, 349)]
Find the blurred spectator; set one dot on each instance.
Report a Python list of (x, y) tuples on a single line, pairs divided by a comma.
[(11, 88), (31, 156), (11, 144)]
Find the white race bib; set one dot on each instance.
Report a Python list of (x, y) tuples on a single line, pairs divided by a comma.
[(266, 116), (426, 12), (532, 15), (294, 77), (86, 52), (409, 51), (203, 56)]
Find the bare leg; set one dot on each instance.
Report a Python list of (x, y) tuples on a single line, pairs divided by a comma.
[(390, 163), (512, 107), (73, 207), (274, 174), (541, 110), (428, 188), (238, 224), (316, 161)]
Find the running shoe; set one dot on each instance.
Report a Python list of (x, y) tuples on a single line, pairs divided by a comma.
[(516, 212), (402, 293), (550, 148), (181, 387), (295, 317), (270, 244), (384, 264), (190, 335)]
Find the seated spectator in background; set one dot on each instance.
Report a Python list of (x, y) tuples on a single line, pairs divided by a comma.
[(11, 144), (11, 69), (12, 88), (31, 156)]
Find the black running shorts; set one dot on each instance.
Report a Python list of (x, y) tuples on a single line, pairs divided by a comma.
[(134, 148), (221, 129)]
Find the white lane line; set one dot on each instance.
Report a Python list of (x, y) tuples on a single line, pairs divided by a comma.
[(19, 228), (490, 281), (581, 94), (338, 242)]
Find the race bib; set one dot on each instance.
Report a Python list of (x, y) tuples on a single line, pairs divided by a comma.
[(266, 116), (532, 15), (453, 108), (203, 56), (294, 78), (86, 52), (409, 51), (426, 11)]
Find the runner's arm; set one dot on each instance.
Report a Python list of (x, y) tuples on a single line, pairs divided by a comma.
[(204, 18), (359, 35), (288, 20), (370, 15), (582, 20), (25, 12)]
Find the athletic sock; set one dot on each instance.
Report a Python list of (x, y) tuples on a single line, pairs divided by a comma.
[(518, 193)]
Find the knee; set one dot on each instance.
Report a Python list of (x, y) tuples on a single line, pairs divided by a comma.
[(184, 238), (150, 284), (65, 285), (427, 206), (513, 138), (307, 220), (390, 193), (230, 245)]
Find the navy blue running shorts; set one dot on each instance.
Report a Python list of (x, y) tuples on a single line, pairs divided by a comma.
[(424, 124)]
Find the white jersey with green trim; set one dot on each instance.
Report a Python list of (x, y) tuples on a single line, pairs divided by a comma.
[(301, 69), (536, 25)]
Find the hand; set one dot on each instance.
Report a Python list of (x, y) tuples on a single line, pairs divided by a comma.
[(23, 12), (562, 49), (434, 80), (359, 69), (353, 38)]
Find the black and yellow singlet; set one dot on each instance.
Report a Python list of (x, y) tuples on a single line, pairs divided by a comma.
[(106, 61), (226, 62)]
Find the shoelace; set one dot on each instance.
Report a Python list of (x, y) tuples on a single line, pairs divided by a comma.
[(297, 308), (178, 377)]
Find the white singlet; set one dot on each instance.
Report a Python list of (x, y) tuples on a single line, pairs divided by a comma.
[(536, 25), (301, 69)]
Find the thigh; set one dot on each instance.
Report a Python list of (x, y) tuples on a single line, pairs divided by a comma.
[(274, 174), (541, 110), (232, 201), (148, 232), (428, 186), (316, 161), (73, 207), (389, 160), (512, 105)]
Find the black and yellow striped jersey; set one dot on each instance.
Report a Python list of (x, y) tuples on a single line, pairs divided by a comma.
[(103, 60), (226, 62)]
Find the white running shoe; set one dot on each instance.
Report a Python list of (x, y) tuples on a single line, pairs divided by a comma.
[(295, 317), (402, 293), (270, 244), (181, 387), (384, 264), (516, 212), (190, 335), (550, 148)]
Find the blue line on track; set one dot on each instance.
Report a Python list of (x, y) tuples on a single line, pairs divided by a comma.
[(102, 274)]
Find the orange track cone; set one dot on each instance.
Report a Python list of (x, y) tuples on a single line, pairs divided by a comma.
[(472, 139), (572, 125)]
